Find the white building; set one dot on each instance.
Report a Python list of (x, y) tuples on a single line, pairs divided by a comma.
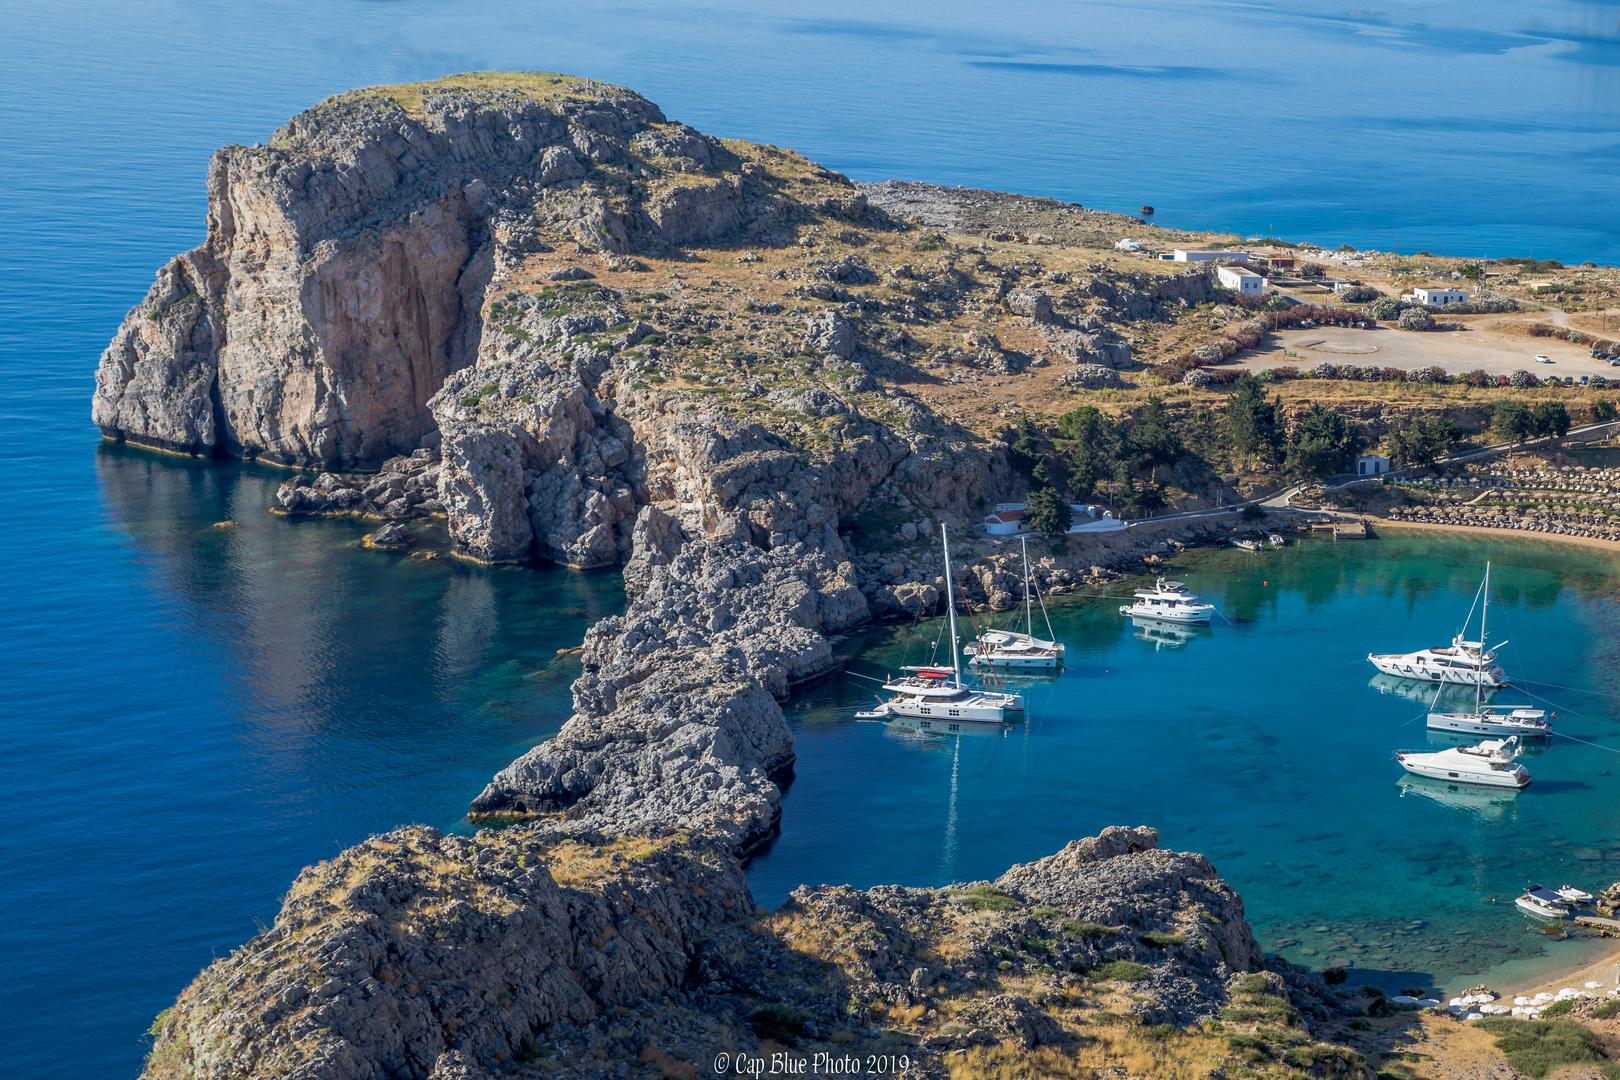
[(1371, 465), (1244, 282), (1183, 255), (1439, 295)]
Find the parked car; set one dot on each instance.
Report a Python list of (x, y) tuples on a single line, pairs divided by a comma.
[(1543, 358), (1585, 379)]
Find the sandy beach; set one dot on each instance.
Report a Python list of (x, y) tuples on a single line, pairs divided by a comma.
[(1607, 546)]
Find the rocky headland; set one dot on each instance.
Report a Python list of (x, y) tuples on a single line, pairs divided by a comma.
[(587, 334)]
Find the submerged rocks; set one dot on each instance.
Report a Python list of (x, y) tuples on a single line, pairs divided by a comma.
[(405, 487)]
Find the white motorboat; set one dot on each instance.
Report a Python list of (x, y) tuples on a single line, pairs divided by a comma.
[(1012, 649), (938, 694), (1248, 545), (1276, 540), (1489, 764), (1500, 721), (1543, 902), (1571, 895), (1168, 601), (1463, 662)]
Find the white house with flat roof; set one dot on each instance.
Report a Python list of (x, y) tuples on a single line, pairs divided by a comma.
[(1371, 465), (1184, 255), (1243, 282), (1439, 295)]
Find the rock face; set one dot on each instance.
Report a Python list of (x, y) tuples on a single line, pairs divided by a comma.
[(345, 264)]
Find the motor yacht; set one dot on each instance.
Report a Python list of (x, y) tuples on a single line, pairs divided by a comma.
[(938, 693), (1571, 895), (1012, 649), (1543, 902), (1168, 601), (1488, 764), (1463, 662)]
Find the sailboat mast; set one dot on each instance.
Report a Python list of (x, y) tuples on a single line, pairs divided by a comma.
[(1029, 613), (1479, 666), (950, 604)]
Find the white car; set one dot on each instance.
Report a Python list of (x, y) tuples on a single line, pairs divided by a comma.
[(1543, 358)]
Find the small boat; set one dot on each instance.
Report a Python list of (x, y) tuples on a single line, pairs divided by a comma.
[(1463, 662), (1011, 649), (1276, 540), (1248, 545), (937, 694), (1489, 764), (1571, 895), (1168, 601), (1543, 902)]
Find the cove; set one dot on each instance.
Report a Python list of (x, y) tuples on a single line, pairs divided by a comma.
[(1264, 743)]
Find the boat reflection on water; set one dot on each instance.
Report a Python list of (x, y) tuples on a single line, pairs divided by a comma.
[(916, 725), (1168, 635), (1487, 804), (1423, 693)]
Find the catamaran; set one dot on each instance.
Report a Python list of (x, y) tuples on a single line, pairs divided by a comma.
[(1490, 764), (1011, 649), (937, 696), (1498, 721), (1463, 662), (1169, 601)]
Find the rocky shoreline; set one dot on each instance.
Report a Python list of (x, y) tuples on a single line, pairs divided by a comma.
[(394, 296)]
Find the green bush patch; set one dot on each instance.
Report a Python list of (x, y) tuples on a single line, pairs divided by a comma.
[(1120, 970), (1537, 1047), (779, 1023), (1162, 941), (1082, 930), (985, 898)]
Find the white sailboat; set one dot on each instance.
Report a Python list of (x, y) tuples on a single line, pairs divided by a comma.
[(1490, 764), (1497, 721), (1462, 663), (1011, 649), (937, 697)]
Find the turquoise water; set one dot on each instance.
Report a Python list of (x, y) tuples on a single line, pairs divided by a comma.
[(191, 715), (1263, 743)]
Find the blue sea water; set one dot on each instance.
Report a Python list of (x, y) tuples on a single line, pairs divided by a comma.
[(1264, 741), (192, 714)]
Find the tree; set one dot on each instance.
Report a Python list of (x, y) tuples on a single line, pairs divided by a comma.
[(1549, 418), (1471, 271), (1421, 441), (1416, 319), (1049, 514), (1603, 410), (1251, 420), (1320, 445), (1025, 451), (1152, 441), (1092, 441), (1385, 309), (1511, 420)]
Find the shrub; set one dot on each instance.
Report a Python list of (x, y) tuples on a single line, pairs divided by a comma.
[(1521, 380), (1415, 319), (1536, 1047), (1082, 931), (1252, 512), (1385, 309), (986, 898), (779, 1023), (1479, 379), (1557, 1009), (1358, 294), (1607, 1011), (1120, 970), (1162, 941)]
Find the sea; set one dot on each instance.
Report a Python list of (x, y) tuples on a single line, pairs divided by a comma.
[(197, 709)]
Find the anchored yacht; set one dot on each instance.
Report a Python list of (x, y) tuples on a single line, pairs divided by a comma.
[(1489, 764), (1169, 601), (937, 695), (1543, 902), (1011, 649), (1463, 662), (1495, 720)]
